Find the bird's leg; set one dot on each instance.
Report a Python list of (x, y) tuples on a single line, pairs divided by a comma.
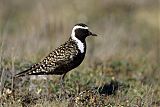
[(12, 87), (62, 84)]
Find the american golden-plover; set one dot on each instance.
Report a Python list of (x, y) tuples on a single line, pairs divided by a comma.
[(64, 58)]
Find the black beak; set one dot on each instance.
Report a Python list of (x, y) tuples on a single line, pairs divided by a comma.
[(93, 34)]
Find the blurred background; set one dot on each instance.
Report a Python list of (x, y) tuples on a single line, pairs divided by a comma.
[(127, 29), (126, 50)]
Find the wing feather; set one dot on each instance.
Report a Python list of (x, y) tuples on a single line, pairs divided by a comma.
[(57, 59)]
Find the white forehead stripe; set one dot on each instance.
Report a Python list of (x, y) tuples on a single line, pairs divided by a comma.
[(79, 43), (79, 27)]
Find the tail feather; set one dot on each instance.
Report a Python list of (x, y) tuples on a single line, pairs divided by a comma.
[(23, 73), (28, 71), (34, 70)]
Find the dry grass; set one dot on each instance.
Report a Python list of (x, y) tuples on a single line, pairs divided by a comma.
[(121, 66)]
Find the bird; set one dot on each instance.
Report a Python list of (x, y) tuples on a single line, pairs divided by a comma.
[(64, 58)]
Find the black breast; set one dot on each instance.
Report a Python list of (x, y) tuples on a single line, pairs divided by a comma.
[(75, 62)]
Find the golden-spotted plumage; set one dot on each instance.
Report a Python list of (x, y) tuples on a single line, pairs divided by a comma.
[(59, 61), (64, 58)]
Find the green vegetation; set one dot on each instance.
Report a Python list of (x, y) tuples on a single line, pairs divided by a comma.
[(122, 64)]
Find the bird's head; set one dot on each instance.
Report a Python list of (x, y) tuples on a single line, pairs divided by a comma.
[(81, 31)]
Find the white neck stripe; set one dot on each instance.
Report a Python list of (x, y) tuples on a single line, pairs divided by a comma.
[(79, 43)]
